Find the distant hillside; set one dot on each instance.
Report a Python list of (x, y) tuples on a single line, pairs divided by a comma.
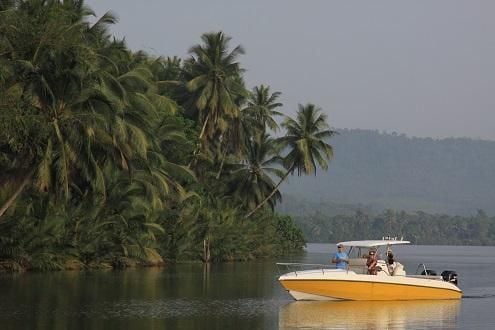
[(380, 170)]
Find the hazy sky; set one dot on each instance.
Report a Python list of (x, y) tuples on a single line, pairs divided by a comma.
[(423, 67)]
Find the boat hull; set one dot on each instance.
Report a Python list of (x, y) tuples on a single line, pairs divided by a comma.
[(394, 289)]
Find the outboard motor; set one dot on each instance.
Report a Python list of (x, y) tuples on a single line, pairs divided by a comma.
[(450, 276)]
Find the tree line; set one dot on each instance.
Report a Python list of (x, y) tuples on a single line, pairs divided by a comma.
[(111, 158), (417, 227)]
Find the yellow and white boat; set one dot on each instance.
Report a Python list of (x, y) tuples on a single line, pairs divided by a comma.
[(390, 283)]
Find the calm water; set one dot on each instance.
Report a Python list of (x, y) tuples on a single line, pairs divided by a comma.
[(240, 296)]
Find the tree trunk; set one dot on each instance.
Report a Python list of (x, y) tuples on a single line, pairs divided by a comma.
[(196, 152), (16, 194), (271, 194), (221, 164), (204, 127)]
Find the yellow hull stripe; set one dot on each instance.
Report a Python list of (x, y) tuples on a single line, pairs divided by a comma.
[(362, 290)]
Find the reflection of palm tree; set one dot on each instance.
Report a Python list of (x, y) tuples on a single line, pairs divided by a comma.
[(306, 146)]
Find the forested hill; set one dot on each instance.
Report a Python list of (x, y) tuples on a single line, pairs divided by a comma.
[(381, 170)]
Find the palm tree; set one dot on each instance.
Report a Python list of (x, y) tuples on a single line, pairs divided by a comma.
[(252, 180), (261, 107), (49, 59), (88, 107), (212, 76), (250, 127), (305, 143)]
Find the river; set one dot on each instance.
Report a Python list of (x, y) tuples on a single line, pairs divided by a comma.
[(242, 295)]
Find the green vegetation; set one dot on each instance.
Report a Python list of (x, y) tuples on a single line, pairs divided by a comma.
[(111, 158), (418, 227)]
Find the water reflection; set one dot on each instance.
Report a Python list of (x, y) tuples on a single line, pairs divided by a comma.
[(183, 296), (231, 296), (369, 314)]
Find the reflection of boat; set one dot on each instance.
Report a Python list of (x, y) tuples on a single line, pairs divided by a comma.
[(423, 314), (354, 283)]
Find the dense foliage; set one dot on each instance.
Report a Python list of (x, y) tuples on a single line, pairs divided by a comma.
[(418, 227), (110, 158)]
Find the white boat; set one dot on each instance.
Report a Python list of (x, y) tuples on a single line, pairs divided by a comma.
[(320, 282)]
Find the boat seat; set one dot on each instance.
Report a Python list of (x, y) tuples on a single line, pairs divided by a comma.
[(399, 270), (358, 265)]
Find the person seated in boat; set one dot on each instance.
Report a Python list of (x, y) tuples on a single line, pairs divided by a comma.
[(390, 262), (371, 262), (340, 259)]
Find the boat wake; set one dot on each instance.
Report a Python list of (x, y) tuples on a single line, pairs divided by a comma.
[(482, 296), (480, 293)]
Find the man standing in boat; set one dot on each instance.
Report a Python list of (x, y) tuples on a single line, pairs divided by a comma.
[(340, 259)]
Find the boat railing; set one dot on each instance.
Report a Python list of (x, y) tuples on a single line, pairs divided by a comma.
[(422, 271), (298, 267)]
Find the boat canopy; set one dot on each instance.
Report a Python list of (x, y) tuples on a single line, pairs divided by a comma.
[(373, 243)]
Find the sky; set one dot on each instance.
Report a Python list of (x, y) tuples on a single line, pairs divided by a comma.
[(422, 68)]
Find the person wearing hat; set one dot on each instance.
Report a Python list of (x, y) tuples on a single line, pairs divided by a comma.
[(371, 262), (340, 259)]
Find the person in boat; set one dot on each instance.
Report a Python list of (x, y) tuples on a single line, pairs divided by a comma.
[(371, 262), (340, 259), (390, 262)]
